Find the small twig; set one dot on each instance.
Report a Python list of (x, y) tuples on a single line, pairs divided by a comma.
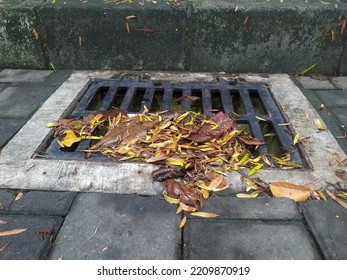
[(95, 231), (339, 201), (4, 247)]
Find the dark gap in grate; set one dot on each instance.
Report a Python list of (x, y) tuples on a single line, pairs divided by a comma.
[(157, 100), (71, 149), (252, 105), (257, 102), (176, 106), (237, 103), (271, 140), (216, 99), (96, 101), (197, 104), (118, 97), (136, 103)]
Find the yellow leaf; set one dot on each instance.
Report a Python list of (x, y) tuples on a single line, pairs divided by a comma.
[(247, 195), (70, 138), (170, 199), (12, 231), (205, 215), (19, 196), (179, 209), (51, 124), (183, 222), (205, 193), (255, 169), (319, 124), (296, 138), (187, 208), (295, 192)]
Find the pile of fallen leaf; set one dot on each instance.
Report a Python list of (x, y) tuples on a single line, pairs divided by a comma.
[(194, 151)]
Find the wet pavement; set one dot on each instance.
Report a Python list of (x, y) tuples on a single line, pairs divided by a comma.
[(70, 225)]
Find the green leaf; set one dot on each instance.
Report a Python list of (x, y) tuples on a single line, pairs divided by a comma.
[(303, 72), (255, 169)]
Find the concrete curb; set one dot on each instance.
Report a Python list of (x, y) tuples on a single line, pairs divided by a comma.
[(198, 35)]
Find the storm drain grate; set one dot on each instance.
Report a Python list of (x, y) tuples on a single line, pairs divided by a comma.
[(252, 105)]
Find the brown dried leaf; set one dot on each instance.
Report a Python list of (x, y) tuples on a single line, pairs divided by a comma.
[(208, 131), (12, 231), (1, 206), (187, 98), (295, 192), (343, 26), (163, 174), (342, 174), (187, 196), (2, 222), (247, 140), (125, 133)]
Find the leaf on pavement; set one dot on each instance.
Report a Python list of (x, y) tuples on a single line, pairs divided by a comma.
[(170, 199), (247, 195), (19, 196), (342, 174), (2, 222), (1, 206), (205, 214), (319, 124), (183, 222), (335, 198), (296, 138), (295, 192), (12, 231)]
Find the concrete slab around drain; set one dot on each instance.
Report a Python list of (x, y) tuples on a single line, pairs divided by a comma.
[(328, 223), (310, 83), (247, 239), (35, 248), (105, 226), (24, 172)]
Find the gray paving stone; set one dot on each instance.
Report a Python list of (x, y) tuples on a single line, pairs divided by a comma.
[(340, 82), (8, 128), (20, 75), (240, 240), (43, 202), (21, 102), (105, 226), (328, 223), (341, 114), (6, 198), (332, 98), (261, 208), (27, 245), (309, 83)]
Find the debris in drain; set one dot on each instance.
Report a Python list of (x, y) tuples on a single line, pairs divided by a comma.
[(193, 147)]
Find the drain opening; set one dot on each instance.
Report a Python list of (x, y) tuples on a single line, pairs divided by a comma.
[(98, 98), (244, 102)]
